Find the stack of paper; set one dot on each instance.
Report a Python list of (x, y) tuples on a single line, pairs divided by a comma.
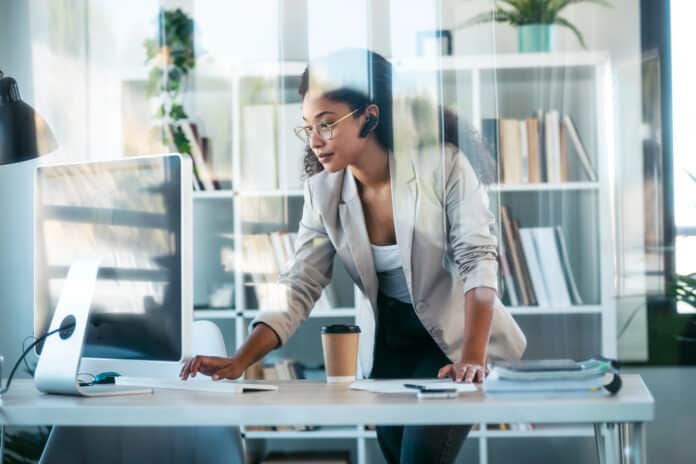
[(400, 385), (554, 377)]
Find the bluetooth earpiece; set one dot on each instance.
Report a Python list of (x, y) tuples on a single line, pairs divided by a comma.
[(370, 123)]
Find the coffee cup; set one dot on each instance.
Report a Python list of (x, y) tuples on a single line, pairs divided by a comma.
[(340, 344)]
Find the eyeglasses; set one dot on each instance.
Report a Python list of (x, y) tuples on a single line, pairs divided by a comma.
[(324, 130)]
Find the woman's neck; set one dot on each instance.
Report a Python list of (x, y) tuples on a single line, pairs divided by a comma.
[(372, 169)]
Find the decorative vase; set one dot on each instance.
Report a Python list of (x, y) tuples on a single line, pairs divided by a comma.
[(535, 37)]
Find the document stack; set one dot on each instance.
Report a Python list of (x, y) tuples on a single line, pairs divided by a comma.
[(554, 377)]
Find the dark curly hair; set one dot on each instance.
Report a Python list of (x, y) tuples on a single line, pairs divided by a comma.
[(360, 77)]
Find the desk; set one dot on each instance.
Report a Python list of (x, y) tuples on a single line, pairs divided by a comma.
[(619, 420)]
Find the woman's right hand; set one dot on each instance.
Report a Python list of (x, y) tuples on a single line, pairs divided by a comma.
[(213, 366)]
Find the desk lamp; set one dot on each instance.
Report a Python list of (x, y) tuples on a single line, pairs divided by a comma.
[(24, 134)]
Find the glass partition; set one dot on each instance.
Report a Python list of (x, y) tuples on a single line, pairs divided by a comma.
[(554, 120)]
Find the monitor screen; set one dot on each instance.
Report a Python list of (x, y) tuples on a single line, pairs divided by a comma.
[(127, 214)]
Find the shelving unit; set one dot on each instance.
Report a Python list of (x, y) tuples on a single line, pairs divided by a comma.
[(487, 78)]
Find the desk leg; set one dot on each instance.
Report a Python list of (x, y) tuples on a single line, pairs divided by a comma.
[(611, 444), (632, 443), (600, 444)]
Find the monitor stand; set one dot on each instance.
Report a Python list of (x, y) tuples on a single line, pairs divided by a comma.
[(57, 369)]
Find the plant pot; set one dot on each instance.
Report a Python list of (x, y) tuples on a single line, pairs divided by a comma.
[(535, 37)]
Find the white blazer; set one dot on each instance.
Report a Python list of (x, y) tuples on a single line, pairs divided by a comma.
[(443, 229)]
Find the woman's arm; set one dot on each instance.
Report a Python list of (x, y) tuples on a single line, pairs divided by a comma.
[(310, 271), (474, 247), (261, 341)]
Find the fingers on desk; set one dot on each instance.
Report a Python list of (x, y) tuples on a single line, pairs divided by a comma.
[(192, 367), (463, 372)]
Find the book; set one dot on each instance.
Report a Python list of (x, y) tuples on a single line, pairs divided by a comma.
[(550, 261), (567, 269), (553, 148), (541, 140), (511, 246), (524, 152), (197, 155), (510, 291), (510, 151), (563, 168), (526, 279), (537, 276), (532, 126), (259, 166), (579, 148)]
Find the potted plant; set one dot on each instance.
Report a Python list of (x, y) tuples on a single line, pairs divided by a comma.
[(535, 21)]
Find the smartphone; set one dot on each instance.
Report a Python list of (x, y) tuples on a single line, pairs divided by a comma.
[(437, 393)]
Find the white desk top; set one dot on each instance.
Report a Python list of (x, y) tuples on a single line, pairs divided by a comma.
[(315, 403)]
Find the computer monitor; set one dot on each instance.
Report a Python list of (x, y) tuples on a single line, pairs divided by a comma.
[(134, 216)]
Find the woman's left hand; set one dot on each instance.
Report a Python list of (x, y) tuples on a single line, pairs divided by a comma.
[(464, 371)]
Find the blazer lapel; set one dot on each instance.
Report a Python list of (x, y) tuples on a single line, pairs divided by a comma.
[(404, 199), (353, 222)]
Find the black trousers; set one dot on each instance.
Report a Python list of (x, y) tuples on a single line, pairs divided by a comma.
[(404, 349)]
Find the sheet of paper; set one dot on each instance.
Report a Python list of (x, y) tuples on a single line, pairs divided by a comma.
[(398, 385)]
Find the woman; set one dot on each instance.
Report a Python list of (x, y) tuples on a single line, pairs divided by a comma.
[(409, 220)]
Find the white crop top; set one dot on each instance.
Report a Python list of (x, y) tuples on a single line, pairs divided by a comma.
[(390, 272)]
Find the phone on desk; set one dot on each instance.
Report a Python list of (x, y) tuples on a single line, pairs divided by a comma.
[(437, 393)]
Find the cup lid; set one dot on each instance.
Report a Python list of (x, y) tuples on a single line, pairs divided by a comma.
[(340, 329)]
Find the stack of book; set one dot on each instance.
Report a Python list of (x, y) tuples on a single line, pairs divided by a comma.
[(263, 258), (535, 149), (535, 266)]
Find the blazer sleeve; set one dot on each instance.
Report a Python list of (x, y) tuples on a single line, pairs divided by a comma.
[(469, 224), (309, 272)]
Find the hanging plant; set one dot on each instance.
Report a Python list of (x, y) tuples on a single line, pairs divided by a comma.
[(171, 57)]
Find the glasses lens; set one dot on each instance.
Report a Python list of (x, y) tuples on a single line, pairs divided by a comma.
[(325, 132), (302, 134)]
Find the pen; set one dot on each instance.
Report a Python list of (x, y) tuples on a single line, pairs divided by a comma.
[(414, 386)]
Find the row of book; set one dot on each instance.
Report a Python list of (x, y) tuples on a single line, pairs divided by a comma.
[(536, 149), (263, 258), (535, 266)]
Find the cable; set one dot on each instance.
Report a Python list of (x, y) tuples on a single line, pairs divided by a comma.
[(36, 342)]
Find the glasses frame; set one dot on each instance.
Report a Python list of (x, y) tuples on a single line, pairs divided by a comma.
[(302, 131)]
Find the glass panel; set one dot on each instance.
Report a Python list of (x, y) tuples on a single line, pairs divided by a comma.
[(683, 98), (548, 121)]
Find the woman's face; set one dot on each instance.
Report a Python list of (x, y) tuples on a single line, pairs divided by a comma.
[(345, 145)]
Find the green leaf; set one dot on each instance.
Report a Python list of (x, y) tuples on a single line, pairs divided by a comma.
[(564, 22), (498, 15), (177, 112)]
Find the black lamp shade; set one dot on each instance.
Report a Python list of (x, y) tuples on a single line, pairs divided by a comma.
[(24, 134)]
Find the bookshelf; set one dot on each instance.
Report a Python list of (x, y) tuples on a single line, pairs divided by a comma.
[(476, 87)]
